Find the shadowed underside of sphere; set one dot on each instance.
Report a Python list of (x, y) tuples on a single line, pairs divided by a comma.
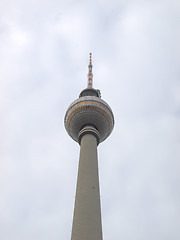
[(89, 110)]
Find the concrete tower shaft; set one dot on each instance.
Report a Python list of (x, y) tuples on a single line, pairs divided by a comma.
[(87, 210)]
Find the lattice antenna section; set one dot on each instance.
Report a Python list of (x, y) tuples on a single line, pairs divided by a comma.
[(90, 74)]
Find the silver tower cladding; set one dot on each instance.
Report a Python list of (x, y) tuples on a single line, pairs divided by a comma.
[(89, 120)]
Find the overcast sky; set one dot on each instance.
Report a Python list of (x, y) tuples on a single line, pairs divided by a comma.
[(44, 53)]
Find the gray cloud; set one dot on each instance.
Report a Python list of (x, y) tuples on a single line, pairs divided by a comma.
[(44, 56)]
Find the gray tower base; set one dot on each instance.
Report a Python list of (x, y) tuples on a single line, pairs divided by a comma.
[(87, 211)]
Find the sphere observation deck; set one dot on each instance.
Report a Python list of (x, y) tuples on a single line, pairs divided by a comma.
[(89, 110)]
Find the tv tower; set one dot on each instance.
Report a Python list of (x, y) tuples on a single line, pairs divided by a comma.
[(89, 121)]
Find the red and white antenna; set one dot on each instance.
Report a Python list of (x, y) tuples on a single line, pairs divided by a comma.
[(90, 75)]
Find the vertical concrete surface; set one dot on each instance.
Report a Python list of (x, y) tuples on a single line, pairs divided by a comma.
[(87, 211)]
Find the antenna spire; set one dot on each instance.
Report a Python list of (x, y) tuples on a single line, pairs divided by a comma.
[(90, 75)]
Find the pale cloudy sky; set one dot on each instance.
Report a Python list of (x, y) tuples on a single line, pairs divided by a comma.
[(44, 47)]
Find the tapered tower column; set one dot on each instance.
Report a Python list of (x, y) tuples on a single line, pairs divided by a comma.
[(87, 211), (89, 120)]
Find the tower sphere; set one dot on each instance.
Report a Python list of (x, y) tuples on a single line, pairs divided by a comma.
[(89, 109)]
